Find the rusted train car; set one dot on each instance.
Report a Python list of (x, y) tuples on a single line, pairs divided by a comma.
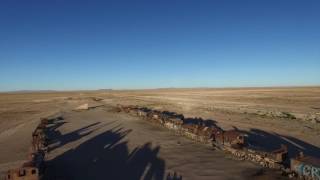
[(34, 167), (230, 138), (30, 170), (305, 167), (23, 173)]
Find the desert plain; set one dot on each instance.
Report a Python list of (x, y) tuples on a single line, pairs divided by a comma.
[(100, 143)]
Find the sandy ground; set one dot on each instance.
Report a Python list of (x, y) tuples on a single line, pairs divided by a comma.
[(100, 143)]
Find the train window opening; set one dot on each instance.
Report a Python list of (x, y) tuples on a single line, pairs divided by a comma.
[(33, 171), (22, 172)]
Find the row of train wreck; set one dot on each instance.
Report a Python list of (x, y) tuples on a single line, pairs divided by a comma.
[(34, 167), (231, 141)]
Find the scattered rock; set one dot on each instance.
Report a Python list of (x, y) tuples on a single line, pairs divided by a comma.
[(83, 107), (312, 118), (315, 120), (97, 99), (288, 115)]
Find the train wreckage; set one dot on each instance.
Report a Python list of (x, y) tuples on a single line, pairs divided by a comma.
[(230, 141), (34, 167)]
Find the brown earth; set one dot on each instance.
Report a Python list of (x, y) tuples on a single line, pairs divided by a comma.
[(99, 143)]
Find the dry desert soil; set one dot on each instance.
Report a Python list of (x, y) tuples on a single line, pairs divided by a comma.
[(100, 143)]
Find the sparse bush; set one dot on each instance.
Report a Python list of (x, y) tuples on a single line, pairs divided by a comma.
[(288, 115)]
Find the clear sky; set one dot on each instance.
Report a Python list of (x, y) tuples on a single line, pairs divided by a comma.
[(66, 45)]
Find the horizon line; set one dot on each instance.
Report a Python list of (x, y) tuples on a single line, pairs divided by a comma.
[(159, 88)]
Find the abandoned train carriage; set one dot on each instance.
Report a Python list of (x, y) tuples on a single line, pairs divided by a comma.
[(34, 167), (205, 134), (23, 173), (306, 167), (198, 133), (142, 113), (154, 116), (30, 170), (230, 138), (39, 140), (265, 159), (173, 123), (188, 130)]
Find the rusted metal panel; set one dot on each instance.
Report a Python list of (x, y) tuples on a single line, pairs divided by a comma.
[(279, 155)]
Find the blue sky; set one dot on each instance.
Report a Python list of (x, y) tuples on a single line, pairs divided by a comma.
[(66, 45)]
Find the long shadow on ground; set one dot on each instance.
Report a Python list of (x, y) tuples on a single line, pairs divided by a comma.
[(57, 139), (105, 156), (269, 141)]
